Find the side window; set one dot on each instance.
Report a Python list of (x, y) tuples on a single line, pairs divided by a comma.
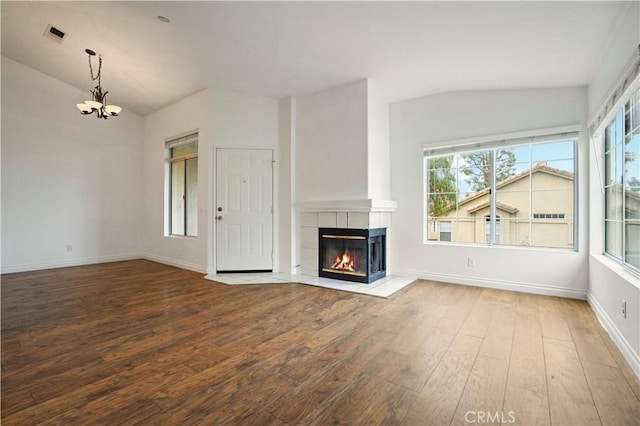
[(183, 187)]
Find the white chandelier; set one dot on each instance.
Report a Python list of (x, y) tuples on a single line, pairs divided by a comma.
[(98, 102)]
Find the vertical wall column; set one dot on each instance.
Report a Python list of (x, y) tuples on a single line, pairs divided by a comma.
[(285, 212)]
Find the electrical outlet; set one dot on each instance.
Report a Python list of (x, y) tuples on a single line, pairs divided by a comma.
[(69, 248), (471, 262), (624, 308)]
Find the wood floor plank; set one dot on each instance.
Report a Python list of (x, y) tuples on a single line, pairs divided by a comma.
[(437, 401), (478, 320), (616, 403), (416, 369), (138, 342), (570, 399), (526, 407), (389, 407), (527, 362), (632, 380), (484, 391), (552, 316), (499, 337)]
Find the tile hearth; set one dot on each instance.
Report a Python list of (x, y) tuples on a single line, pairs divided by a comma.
[(383, 287)]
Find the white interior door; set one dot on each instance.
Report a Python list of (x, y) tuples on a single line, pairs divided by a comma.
[(244, 209)]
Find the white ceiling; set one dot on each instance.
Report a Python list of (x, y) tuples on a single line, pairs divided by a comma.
[(279, 49)]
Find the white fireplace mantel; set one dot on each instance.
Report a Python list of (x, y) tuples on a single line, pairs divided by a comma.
[(366, 206)]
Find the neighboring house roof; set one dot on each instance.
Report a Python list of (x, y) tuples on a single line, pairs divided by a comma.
[(538, 168), (499, 204)]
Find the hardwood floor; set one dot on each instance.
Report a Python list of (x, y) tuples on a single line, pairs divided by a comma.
[(139, 342)]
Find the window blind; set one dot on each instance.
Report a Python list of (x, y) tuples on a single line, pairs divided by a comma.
[(491, 143), (182, 140)]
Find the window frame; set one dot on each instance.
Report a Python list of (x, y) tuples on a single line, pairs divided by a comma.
[(496, 142), (190, 138), (617, 113)]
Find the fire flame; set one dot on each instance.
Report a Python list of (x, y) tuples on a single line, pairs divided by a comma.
[(343, 263)]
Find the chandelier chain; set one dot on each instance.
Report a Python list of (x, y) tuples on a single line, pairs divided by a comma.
[(97, 77)]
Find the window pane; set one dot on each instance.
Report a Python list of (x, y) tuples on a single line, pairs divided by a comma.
[(613, 203), (523, 157), (505, 164), (515, 231), (554, 225), (632, 243), (475, 168), (517, 182), (613, 238), (441, 205), (632, 161), (467, 230), (613, 166), (513, 208), (561, 150), (192, 197), (441, 177), (177, 198), (632, 173), (635, 111)]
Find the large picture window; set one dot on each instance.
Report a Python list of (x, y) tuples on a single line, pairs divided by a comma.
[(622, 184), (511, 193), (183, 186)]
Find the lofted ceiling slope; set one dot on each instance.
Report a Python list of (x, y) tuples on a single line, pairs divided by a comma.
[(279, 49)]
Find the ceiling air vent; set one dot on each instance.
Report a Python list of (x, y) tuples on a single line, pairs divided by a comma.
[(55, 33)]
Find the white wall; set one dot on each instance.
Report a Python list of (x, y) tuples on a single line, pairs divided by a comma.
[(609, 283), (331, 144), (621, 46), (463, 115), (186, 115), (243, 121), (67, 179), (378, 167)]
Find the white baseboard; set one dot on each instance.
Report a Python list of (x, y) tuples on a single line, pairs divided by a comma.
[(67, 263), (177, 263), (523, 287), (623, 345)]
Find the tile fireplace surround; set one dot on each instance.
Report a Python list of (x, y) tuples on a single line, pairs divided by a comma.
[(364, 214), (348, 214), (310, 222)]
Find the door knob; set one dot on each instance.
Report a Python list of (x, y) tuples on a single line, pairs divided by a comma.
[(219, 217)]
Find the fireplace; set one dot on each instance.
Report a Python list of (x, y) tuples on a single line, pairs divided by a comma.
[(352, 254)]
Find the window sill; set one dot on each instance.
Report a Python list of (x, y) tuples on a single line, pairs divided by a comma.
[(181, 237), (618, 269), (498, 247)]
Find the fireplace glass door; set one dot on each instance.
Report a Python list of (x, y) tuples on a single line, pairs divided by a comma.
[(345, 254), (352, 254)]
